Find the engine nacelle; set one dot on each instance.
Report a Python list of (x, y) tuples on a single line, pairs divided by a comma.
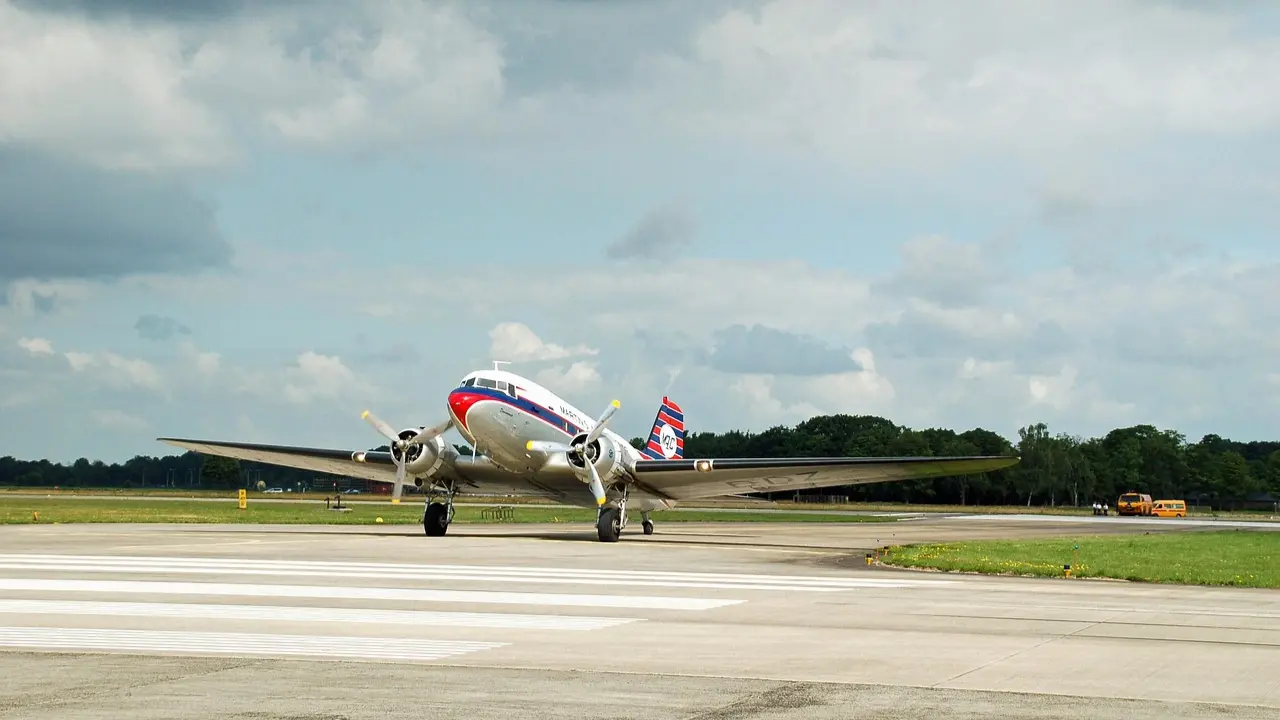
[(423, 459), (604, 453)]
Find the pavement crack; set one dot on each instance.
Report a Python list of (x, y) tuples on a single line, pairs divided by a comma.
[(784, 696)]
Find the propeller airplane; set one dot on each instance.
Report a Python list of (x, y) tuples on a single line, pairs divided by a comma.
[(537, 445)]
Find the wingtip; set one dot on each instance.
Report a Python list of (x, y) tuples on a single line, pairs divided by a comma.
[(616, 404), (364, 415)]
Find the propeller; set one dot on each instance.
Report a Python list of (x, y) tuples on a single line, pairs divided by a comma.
[(579, 450), (403, 445)]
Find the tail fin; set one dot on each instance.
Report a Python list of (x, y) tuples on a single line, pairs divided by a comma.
[(666, 439)]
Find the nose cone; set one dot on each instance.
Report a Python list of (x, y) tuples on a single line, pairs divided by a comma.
[(460, 403)]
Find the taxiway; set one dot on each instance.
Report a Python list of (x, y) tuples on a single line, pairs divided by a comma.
[(703, 621)]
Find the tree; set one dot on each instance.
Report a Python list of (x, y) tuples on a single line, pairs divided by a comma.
[(220, 473)]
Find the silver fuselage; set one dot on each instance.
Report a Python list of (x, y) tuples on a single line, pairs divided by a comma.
[(499, 424)]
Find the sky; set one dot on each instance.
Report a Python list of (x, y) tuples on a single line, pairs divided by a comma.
[(251, 221)]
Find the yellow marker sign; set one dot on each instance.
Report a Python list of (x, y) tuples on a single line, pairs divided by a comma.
[(243, 499)]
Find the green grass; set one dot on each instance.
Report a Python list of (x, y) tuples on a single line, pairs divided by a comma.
[(1221, 557), (14, 511)]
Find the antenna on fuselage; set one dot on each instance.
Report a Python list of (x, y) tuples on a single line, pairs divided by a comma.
[(496, 363)]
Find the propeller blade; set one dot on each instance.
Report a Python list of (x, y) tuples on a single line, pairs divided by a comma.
[(428, 433), (547, 447), (597, 488), (382, 428), (399, 486), (599, 428)]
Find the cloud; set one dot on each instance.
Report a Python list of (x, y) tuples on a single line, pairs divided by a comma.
[(62, 220), (661, 233), (116, 371), (960, 82), (515, 342), (761, 349), (319, 377), (163, 93), (159, 327), (576, 379), (36, 346)]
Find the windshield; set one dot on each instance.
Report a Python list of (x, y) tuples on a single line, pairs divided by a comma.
[(1130, 498)]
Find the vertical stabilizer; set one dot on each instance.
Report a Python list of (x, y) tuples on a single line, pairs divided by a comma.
[(666, 439)]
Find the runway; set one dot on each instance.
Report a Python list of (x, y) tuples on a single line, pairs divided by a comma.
[(711, 620)]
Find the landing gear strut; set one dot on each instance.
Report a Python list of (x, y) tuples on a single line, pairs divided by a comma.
[(612, 519), (437, 515)]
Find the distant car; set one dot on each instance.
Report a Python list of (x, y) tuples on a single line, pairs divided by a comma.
[(351, 491), (273, 490)]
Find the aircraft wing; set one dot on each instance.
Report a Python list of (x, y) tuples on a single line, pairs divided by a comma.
[(471, 477), (376, 465), (696, 479)]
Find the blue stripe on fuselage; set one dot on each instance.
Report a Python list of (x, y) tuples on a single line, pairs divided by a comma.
[(529, 407)]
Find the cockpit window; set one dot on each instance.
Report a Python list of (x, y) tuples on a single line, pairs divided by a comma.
[(487, 383), (469, 382)]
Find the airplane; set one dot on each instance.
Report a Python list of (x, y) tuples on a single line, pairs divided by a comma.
[(536, 444)]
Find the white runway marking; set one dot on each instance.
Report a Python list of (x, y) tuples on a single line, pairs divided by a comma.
[(237, 644), (311, 614), (156, 588), (364, 593), (389, 571)]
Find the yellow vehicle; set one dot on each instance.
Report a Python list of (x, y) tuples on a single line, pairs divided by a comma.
[(1132, 503), (1169, 508)]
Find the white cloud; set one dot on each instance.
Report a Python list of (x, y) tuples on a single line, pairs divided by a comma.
[(205, 362), (149, 95), (117, 371), (515, 342), (109, 91), (320, 377), (865, 82), (36, 346), (579, 377)]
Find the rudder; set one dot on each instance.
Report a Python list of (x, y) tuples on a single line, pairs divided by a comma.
[(666, 438)]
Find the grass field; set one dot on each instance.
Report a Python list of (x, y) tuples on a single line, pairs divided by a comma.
[(21, 510), (1221, 557)]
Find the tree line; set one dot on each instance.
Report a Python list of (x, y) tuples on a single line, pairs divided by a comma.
[(1056, 469)]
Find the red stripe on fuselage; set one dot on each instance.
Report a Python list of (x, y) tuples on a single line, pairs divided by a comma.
[(462, 400)]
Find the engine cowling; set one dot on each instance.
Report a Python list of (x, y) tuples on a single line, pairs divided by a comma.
[(604, 453), (422, 460)]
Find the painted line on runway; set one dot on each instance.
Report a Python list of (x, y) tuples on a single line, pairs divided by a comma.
[(238, 644), (477, 573), (312, 614), (365, 593)]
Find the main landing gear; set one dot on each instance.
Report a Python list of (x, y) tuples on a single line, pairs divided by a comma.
[(613, 518), (437, 515)]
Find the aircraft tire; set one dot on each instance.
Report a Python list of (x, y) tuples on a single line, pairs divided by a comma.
[(609, 526), (435, 522), (648, 527)]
